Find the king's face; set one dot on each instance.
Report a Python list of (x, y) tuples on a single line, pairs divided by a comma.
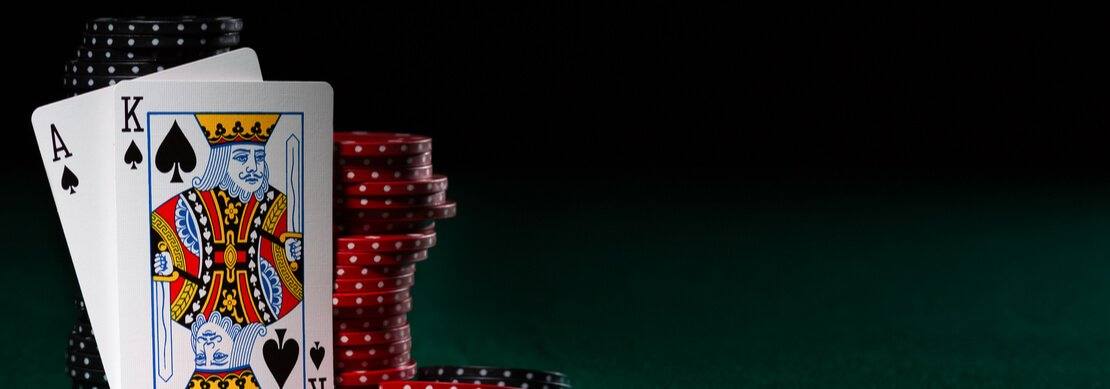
[(212, 347), (247, 167)]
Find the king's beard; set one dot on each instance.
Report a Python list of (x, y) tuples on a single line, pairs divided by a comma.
[(234, 190)]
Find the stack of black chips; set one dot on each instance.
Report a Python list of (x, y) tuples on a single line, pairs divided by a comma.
[(117, 49), (82, 358)]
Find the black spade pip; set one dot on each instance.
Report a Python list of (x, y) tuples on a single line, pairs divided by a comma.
[(133, 156), (175, 153), (281, 356), (69, 180)]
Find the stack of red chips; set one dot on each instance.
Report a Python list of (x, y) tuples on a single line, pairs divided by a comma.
[(387, 203)]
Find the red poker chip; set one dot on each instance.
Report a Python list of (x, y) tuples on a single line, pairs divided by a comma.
[(358, 173), (415, 160), (390, 202), (436, 385), (371, 324), (363, 258), (375, 311), (354, 220), (386, 242), (374, 364), (348, 286), (349, 338), (380, 144), (370, 299), (344, 272), (435, 183), (373, 352), (399, 227), (373, 377), (349, 227)]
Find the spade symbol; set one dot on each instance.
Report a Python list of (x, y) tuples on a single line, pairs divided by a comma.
[(133, 156), (317, 354), (69, 180), (281, 356), (175, 153)]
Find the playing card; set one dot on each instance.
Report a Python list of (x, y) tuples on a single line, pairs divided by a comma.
[(76, 140), (224, 233)]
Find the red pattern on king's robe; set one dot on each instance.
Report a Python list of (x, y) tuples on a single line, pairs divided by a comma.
[(203, 287)]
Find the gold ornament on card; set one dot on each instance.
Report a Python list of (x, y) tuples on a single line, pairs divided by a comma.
[(232, 128)]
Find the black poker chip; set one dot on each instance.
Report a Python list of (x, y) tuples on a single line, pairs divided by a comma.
[(83, 317), (87, 376), (184, 25), (489, 372), (509, 382), (130, 68), (112, 54), (89, 385), (160, 41), (83, 360), (87, 83), (81, 343), (83, 329)]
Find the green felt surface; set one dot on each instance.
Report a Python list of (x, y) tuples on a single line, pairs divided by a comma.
[(669, 285)]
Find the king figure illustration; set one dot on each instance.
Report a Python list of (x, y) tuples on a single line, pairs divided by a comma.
[(227, 253)]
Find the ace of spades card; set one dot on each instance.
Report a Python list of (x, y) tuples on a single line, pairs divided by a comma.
[(224, 227), (75, 138)]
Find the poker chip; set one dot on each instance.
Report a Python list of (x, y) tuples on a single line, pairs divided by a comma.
[(372, 272), (489, 372), (82, 343), (83, 360), (88, 385), (347, 338), (123, 68), (395, 258), (371, 324), (430, 185), (157, 41), (386, 243), (370, 299), (358, 173), (82, 328), (399, 227), (374, 364), (436, 385), (388, 202), (353, 220), (501, 382), (188, 25), (348, 286), (415, 160), (375, 311), (445, 210), (374, 351), (372, 377), (87, 376), (108, 54), (87, 83), (362, 144)]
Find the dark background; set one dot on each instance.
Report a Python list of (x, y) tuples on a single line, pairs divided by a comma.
[(663, 194)]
